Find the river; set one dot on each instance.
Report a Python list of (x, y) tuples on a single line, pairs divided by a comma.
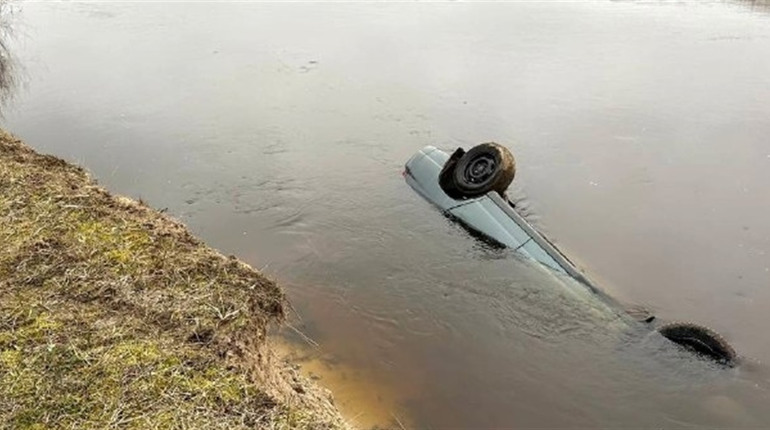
[(278, 132)]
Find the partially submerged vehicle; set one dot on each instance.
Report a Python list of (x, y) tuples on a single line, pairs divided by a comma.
[(470, 187)]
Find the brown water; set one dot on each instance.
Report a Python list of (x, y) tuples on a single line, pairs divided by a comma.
[(278, 133)]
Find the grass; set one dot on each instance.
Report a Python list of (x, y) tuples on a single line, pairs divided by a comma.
[(113, 316)]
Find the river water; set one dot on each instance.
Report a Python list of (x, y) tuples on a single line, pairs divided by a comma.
[(278, 133)]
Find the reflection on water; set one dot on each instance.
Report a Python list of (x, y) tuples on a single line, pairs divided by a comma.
[(278, 133), (8, 65), (760, 6)]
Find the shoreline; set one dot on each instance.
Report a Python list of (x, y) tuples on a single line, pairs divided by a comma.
[(365, 399), (113, 314)]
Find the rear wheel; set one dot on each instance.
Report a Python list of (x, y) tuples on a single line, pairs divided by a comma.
[(486, 167), (700, 339)]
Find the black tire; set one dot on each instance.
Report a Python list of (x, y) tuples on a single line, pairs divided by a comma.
[(702, 340), (486, 167), (446, 178)]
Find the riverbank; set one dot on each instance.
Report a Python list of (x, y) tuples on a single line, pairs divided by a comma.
[(113, 315)]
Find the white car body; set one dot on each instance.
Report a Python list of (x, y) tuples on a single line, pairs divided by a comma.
[(494, 217), (490, 215)]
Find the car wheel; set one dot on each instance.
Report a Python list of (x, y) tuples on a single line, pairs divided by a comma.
[(486, 167), (700, 339)]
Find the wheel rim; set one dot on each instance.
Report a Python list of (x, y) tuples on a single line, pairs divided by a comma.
[(480, 169)]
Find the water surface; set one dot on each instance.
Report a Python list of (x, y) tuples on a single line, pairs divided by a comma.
[(278, 132)]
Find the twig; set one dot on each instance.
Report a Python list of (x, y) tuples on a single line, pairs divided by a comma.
[(400, 424), (304, 336)]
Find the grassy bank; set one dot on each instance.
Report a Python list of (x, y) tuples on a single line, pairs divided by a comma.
[(113, 316)]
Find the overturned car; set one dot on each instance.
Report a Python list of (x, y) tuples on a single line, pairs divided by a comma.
[(470, 188)]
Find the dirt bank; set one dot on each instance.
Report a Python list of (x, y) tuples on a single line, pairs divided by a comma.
[(113, 315)]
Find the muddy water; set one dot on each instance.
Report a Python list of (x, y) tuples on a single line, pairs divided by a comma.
[(278, 132)]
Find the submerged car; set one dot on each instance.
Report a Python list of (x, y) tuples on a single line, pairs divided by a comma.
[(470, 187)]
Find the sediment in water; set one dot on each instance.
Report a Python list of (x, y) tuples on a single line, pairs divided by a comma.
[(113, 315)]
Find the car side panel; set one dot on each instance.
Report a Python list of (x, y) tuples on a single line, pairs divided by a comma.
[(422, 171), (483, 215), (535, 251)]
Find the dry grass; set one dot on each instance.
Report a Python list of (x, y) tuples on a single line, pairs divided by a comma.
[(113, 316)]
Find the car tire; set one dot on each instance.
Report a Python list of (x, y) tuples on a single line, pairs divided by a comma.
[(486, 167), (702, 340), (446, 178)]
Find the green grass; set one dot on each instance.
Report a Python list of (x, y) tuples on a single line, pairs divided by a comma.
[(113, 316)]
